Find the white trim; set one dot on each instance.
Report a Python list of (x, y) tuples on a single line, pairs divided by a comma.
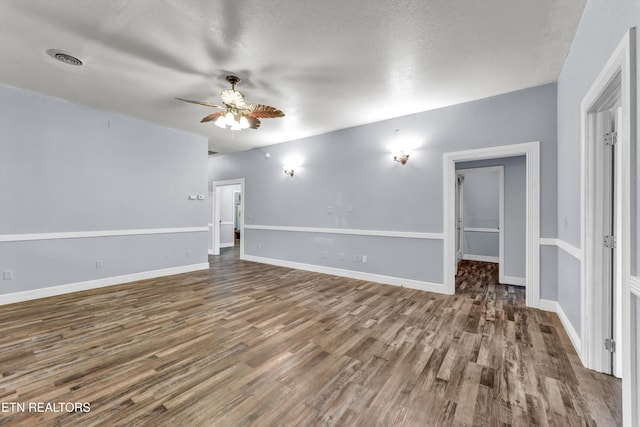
[(481, 230), (226, 245), (101, 233), (350, 231), (513, 280), (532, 152), (548, 305), (621, 63), (227, 223), (634, 285), (210, 252), (567, 247), (481, 258), (554, 306), (571, 332), (98, 283), (352, 274)]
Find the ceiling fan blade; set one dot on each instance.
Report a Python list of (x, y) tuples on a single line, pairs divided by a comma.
[(212, 116), (254, 122), (232, 97), (206, 104), (265, 111)]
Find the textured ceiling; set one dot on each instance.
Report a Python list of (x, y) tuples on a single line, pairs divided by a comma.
[(327, 64)]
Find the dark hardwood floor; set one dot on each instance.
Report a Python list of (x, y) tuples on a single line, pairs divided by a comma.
[(246, 344)]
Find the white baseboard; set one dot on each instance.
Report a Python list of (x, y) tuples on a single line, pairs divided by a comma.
[(210, 251), (98, 283), (481, 258), (548, 305), (512, 280), (226, 245), (554, 306), (387, 280)]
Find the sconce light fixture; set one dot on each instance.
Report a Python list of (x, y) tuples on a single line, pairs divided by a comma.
[(401, 157), (291, 163)]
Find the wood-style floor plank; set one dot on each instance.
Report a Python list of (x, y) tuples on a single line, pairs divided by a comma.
[(246, 344)]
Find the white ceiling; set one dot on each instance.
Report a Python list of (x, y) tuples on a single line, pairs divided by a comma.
[(328, 64)]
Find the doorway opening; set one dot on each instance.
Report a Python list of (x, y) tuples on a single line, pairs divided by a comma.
[(228, 217), (531, 152), (480, 215)]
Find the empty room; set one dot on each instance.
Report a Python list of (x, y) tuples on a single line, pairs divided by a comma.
[(299, 213)]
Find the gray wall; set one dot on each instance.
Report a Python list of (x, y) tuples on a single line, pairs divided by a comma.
[(515, 227), (69, 168), (601, 29), (351, 173)]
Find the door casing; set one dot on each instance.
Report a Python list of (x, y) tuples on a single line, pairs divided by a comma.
[(617, 74)]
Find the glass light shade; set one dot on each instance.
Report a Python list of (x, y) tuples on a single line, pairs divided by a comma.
[(220, 122), (235, 126), (244, 123), (229, 119)]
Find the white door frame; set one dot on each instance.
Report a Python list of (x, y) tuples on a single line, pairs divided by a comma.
[(621, 65), (459, 209), (215, 235), (531, 150), (500, 170)]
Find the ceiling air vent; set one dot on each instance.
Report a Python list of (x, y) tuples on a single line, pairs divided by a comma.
[(64, 57)]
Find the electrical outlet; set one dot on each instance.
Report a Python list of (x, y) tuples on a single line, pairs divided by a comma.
[(259, 246), (188, 253), (325, 254), (99, 263), (364, 259), (7, 275), (329, 209), (342, 256), (167, 255)]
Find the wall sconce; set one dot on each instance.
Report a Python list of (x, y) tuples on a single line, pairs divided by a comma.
[(290, 163), (401, 157)]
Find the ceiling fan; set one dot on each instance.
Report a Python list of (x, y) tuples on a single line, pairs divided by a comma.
[(236, 114)]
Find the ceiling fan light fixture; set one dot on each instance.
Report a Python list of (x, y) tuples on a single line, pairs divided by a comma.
[(244, 123), (235, 126), (221, 122), (229, 119), (236, 114)]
